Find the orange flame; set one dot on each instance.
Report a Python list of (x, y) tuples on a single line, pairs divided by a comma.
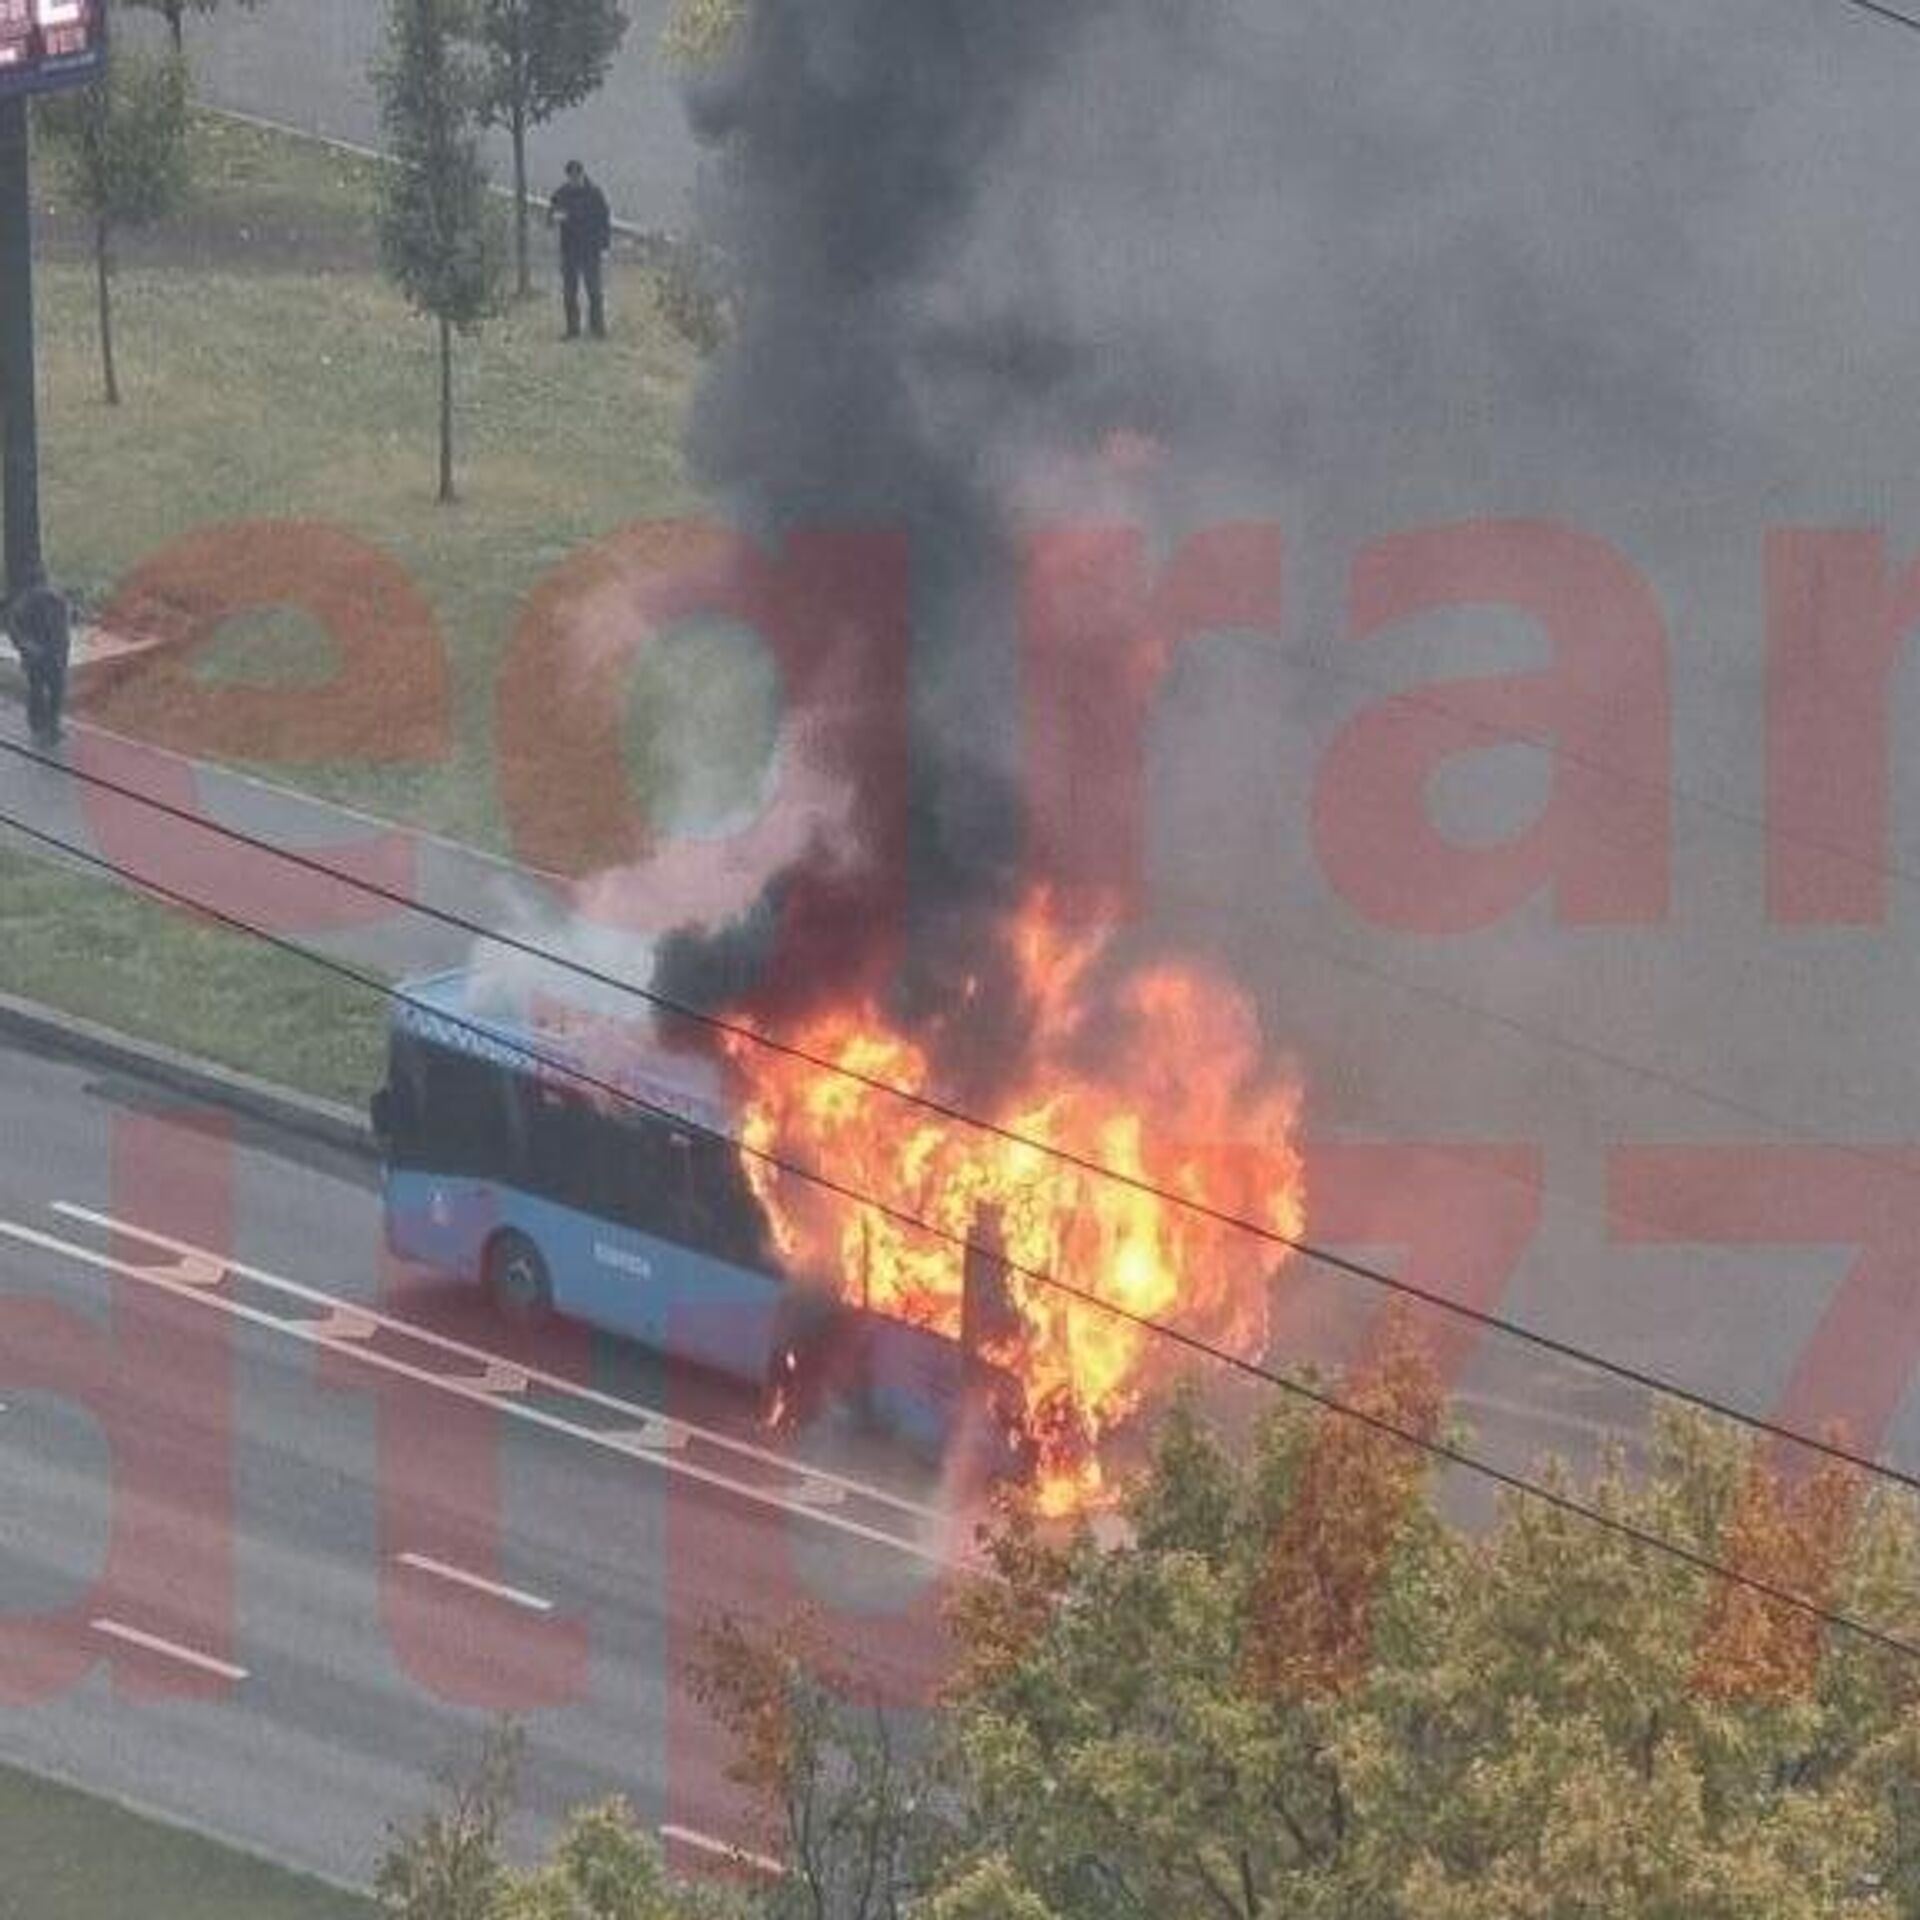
[(1168, 1090)]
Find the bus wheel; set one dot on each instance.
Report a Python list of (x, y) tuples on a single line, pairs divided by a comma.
[(517, 1279)]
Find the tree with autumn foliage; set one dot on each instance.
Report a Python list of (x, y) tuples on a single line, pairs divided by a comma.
[(1605, 1730), (851, 1789), (1295, 1690)]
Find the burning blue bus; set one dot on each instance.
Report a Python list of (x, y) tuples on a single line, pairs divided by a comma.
[(568, 1168)]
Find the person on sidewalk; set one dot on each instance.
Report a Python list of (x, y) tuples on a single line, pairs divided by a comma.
[(37, 621), (586, 231)]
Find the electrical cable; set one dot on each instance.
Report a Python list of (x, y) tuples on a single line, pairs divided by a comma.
[(1308, 1250), (1885, 12), (1434, 1449)]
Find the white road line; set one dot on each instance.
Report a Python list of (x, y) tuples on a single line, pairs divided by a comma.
[(346, 1323), (502, 1376), (629, 1410), (197, 1269), (461, 1389), (514, 1596), (171, 1649), (721, 1850), (819, 1493), (653, 1436)]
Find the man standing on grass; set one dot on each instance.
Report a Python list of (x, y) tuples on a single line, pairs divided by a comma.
[(37, 621), (586, 230)]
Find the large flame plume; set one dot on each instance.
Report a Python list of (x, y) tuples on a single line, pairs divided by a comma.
[(1155, 1072)]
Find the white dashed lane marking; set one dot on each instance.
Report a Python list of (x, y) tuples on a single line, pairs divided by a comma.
[(747, 1472), (167, 1649), (459, 1577), (721, 1850)]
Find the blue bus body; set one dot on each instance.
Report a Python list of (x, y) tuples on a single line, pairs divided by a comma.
[(639, 1213), (670, 1298)]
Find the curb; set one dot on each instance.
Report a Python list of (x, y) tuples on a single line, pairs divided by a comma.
[(325, 1121), (648, 239)]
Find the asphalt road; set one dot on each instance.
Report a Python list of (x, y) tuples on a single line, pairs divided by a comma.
[(335, 1518), (308, 66), (356, 1471), (1715, 1091), (280, 1529), (1672, 1232)]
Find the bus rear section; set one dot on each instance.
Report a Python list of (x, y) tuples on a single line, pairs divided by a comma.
[(602, 1184)]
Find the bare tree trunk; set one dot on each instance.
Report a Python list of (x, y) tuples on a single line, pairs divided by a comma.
[(446, 412), (103, 284), (175, 12), (520, 245)]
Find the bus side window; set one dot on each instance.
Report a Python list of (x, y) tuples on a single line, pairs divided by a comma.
[(685, 1199), (678, 1184), (722, 1216), (635, 1179), (401, 1103), (562, 1146), (462, 1116)]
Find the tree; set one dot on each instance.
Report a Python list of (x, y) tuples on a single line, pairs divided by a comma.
[(174, 12), (1349, 1500), (124, 143), (1619, 1730), (439, 230), (449, 1865), (605, 1867), (850, 1797), (700, 33), (694, 280), (1551, 1721), (540, 57), (984, 1890), (1293, 1689)]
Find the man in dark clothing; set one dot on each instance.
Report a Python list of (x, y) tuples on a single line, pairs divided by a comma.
[(37, 621), (586, 230)]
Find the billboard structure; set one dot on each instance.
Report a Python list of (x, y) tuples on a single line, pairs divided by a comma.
[(46, 45)]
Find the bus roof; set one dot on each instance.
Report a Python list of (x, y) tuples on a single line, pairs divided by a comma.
[(536, 1031)]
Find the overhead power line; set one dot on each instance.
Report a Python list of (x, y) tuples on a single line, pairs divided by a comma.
[(1885, 13), (1434, 1449), (1306, 1249)]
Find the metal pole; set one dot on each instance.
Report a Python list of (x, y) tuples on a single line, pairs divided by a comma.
[(25, 566)]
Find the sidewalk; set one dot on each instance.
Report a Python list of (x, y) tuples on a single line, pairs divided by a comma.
[(227, 876), (220, 840), (94, 651)]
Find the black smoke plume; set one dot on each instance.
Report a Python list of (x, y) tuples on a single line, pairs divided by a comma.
[(1407, 263), (855, 139)]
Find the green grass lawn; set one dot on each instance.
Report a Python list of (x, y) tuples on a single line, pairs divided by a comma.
[(270, 371), (67, 1856), (95, 950)]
